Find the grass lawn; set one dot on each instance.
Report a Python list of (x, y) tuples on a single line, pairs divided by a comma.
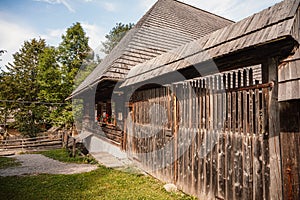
[(63, 156), (8, 162), (102, 183)]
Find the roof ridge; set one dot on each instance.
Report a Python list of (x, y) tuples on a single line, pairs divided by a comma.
[(203, 10), (146, 15)]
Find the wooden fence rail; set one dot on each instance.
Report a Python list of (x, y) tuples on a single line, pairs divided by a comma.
[(31, 143)]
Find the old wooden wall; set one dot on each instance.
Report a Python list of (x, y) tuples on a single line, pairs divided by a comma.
[(208, 136), (290, 147)]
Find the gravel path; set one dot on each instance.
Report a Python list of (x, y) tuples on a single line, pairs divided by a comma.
[(33, 164)]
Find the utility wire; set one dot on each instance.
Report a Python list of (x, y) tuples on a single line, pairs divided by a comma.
[(32, 102)]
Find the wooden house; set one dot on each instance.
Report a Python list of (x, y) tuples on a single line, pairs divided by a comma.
[(167, 25), (219, 116)]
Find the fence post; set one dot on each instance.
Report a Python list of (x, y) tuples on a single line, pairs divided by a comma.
[(63, 139), (74, 147), (22, 145), (67, 140), (270, 74)]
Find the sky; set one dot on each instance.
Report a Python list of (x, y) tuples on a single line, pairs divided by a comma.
[(22, 20)]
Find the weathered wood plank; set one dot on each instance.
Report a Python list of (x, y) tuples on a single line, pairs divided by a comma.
[(229, 163), (270, 73)]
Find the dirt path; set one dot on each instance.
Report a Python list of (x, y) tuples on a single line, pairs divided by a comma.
[(33, 164)]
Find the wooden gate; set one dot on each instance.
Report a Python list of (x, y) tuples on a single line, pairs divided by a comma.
[(209, 136)]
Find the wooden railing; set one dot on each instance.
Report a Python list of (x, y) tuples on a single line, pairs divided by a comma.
[(27, 144)]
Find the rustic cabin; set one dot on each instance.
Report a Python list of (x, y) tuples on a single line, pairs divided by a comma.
[(167, 25), (217, 115)]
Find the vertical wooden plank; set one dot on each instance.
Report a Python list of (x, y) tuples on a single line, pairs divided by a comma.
[(209, 145), (184, 136), (239, 146), (250, 145), (221, 139), (257, 168), (201, 185), (189, 145), (290, 145), (180, 133), (214, 135), (234, 152), (207, 137), (265, 147), (175, 129), (270, 73), (246, 151), (229, 163), (196, 138)]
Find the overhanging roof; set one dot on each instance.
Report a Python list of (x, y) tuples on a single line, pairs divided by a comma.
[(167, 25), (269, 25)]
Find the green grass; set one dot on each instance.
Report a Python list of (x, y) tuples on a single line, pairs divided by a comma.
[(102, 183), (8, 162), (63, 156)]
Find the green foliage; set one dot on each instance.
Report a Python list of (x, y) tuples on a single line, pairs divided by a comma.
[(64, 156), (72, 52), (6, 162), (41, 78), (115, 35), (22, 85), (5, 92), (102, 183)]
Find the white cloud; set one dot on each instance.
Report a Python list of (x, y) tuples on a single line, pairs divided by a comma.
[(146, 4), (96, 34), (12, 37), (53, 36), (111, 7), (63, 2), (232, 9)]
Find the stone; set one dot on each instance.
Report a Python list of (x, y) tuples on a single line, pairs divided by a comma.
[(170, 188)]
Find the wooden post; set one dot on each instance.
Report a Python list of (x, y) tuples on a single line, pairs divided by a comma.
[(67, 140), (63, 139), (175, 128), (74, 147), (270, 74)]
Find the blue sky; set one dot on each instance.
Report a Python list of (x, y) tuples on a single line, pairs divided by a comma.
[(22, 20)]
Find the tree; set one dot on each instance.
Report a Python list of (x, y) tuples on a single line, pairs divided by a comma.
[(23, 86), (2, 52), (115, 36), (49, 79), (72, 54), (5, 93)]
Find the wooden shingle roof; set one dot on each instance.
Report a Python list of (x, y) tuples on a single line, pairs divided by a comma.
[(266, 26), (167, 25)]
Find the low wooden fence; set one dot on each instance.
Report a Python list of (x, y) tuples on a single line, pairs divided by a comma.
[(27, 144), (209, 136)]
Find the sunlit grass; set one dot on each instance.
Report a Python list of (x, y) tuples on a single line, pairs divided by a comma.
[(6, 162), (102, 183)]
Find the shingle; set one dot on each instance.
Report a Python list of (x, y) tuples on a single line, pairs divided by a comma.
[(167, 25)]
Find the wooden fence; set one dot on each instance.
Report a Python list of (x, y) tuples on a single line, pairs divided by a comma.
[(208, 136), (27, 144)]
